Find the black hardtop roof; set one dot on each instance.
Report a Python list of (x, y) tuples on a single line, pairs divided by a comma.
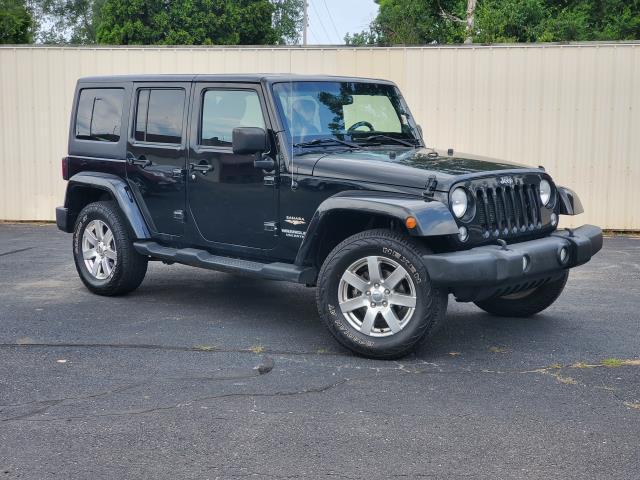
[(231, 78)]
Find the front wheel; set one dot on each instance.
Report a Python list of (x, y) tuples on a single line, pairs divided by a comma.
[(527, 303), (375, 296)]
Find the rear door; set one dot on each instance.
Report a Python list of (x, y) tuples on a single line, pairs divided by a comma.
[(157, 154), (231, 202)]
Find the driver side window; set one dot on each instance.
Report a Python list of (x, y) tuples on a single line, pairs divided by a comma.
[(224, 110)]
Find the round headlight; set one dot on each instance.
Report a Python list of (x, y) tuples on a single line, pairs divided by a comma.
[(545, 192), (459, 202)]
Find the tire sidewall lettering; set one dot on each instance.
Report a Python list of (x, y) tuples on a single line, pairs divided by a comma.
[(408, 264), (352, 335), (77, 238)]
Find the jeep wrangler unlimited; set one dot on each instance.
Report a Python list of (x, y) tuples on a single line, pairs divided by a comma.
[(312, 179)]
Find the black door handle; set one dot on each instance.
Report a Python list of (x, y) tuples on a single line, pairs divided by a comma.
[(140, 161), (202, 168)]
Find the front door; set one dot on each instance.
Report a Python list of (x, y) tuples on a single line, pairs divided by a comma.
[(231, 202), (156, 154)]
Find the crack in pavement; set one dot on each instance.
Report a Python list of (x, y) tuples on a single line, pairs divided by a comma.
[(401, 369), (261, 369), (15, 251), (178, 348), (407, 368), (321, 389)]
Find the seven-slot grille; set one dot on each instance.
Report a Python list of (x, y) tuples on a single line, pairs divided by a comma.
[(508, 209)]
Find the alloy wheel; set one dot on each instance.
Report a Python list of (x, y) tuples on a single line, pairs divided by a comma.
[(99, 249), (377, 296)]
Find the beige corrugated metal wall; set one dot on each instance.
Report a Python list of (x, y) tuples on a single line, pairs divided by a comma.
[(573, 108)]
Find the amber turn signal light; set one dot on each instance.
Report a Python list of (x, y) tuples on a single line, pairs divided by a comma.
[(410, 222)]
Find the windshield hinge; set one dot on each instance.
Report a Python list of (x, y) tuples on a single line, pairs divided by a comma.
[(430, 188)]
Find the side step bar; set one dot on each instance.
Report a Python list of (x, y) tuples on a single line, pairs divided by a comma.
[(201, 258)]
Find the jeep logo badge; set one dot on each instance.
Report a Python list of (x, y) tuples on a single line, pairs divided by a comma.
[(506, 181)]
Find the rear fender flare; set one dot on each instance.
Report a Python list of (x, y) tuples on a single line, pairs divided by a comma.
[(433, 218), (119, 190)]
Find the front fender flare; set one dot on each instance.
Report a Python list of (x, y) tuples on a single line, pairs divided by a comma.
[(119, 190), (433, 218)]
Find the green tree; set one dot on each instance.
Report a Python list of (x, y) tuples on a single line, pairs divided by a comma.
[(510, 21), (287, 20), (366, 37), (16, 22), (68, 21), (454, 21), (186, 22), (412, 22)]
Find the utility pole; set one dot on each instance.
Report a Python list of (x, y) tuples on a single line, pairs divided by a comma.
[(305, 23)]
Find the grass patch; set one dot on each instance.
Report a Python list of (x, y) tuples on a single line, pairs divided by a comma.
[(203, 348), (566, 380), (498, 350), (612, 362), (617, 362), (582, 365), (257, 349)]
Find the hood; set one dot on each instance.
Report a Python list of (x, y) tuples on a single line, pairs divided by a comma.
[(410, 168)]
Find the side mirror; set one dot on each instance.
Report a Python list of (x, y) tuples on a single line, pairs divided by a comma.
[(248, 140)]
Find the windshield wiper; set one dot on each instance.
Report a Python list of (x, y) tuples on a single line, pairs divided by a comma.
[(325, 141), (386, 137)]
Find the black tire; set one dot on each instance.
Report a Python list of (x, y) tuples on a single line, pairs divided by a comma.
[(430, 304), (130, 267), (527, 305)]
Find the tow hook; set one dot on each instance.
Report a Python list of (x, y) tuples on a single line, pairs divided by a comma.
[(503, 244)]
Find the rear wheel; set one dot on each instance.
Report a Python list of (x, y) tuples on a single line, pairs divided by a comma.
[(527, 303), (103, 251), (375, 296)]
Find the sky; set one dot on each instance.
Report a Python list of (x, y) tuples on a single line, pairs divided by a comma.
[(331, 20)]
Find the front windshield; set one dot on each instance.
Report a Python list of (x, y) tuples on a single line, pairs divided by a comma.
[(322, 112)]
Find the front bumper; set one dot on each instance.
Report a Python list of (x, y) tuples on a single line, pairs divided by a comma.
[(493, 270)]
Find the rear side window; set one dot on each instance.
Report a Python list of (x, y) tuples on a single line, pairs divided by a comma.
[(159, 115), (99, 114)]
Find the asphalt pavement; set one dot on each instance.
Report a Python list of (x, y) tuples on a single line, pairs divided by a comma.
[(204, 375)]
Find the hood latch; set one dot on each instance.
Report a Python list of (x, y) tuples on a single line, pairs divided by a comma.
[(430, 188)]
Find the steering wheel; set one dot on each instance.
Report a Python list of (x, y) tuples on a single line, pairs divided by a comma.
[(357, 125)]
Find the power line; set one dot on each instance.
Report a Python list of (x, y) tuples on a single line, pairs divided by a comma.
[(320, 20), (313, 36), (331, 19), (305, 20)]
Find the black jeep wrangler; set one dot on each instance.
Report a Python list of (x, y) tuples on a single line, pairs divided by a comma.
[(312, 179)]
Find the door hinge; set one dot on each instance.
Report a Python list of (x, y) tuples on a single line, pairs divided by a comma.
[(178, 215), (270, 180), (271, 227)]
